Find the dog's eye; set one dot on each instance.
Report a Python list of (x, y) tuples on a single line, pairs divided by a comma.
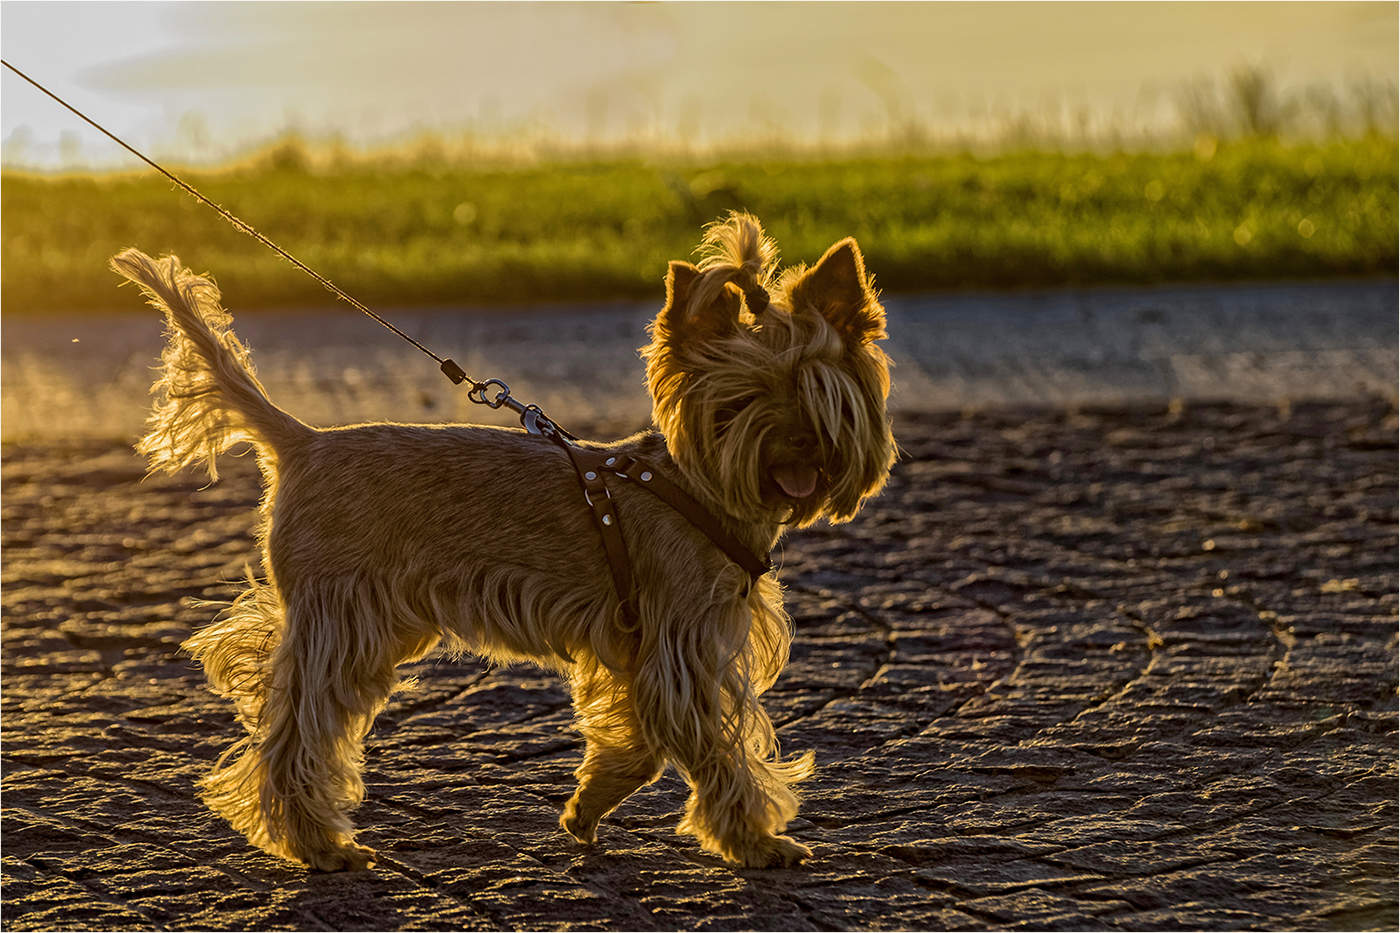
[(732, 409)]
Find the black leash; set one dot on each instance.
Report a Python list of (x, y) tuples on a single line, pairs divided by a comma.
[(534, 420)]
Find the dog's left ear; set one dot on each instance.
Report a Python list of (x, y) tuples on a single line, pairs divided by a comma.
[(840, 290)]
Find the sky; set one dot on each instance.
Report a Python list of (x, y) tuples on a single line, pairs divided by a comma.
[(205, 81)]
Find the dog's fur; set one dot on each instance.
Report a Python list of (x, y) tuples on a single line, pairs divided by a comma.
[(381, 541)]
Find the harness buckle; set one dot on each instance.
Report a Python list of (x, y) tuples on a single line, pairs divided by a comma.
[(587, 496)]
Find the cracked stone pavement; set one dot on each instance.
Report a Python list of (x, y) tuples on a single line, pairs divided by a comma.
[(1130, 668)]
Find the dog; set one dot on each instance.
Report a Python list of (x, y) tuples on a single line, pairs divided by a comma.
[(383, 541)]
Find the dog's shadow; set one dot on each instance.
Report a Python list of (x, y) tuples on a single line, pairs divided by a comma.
[(461, 886)]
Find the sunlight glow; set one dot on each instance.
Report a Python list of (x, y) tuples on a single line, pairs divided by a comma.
[(203, 81)]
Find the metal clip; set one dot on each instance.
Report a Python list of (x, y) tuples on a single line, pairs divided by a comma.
[(478, 394), (535, 421), (532, 418)]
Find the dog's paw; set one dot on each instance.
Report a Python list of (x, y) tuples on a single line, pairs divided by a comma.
[(773, 852), (350, 857), (582, 829)]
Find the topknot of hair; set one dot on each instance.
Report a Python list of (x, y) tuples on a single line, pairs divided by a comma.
[(737, 244)]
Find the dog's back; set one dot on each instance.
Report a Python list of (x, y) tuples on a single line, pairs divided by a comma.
[(437, 509)]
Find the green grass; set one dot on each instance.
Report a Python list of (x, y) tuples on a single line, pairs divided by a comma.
[(393, 233)]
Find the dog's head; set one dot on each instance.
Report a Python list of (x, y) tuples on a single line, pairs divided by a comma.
[(770, 388)]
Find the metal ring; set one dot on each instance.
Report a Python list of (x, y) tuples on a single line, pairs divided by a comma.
[(478, 393)]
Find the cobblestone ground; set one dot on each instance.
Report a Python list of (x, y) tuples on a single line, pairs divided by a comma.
[(1125, 668)]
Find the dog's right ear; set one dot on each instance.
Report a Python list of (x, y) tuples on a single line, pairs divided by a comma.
[(690, 310), (841, 291)]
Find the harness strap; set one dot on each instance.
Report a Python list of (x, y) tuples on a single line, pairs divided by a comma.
[(593, 465), (604, 510)]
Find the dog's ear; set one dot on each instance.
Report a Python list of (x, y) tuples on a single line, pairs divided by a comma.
[(841, 291), (718, 315)]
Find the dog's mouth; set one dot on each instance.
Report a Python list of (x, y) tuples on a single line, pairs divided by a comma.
[(796, 480)]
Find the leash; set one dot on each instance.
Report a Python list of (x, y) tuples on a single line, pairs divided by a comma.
[(532, 418), (590, 465)]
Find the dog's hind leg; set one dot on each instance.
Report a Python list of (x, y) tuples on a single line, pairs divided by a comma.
[(241, 652), (298, 775), (616, 763), (236, 649)]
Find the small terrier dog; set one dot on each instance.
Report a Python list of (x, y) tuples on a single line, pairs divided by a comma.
[(382, 541)]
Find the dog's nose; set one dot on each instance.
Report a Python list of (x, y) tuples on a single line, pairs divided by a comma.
[(801, 443)]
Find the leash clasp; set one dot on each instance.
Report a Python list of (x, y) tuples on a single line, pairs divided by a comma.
[(532, 417), (536, 421)]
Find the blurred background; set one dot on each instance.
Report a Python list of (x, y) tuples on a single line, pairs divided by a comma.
[(488, 152), (437, 157), (205, 82)]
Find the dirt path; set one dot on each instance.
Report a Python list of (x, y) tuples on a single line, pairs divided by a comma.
[(1122, 669)]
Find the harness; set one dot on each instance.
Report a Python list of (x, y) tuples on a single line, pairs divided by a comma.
[(593, 465)]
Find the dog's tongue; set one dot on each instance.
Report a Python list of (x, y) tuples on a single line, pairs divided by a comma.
[(796, 480)]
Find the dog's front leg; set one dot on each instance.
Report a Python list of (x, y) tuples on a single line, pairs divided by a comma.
[(739, 803), (696, 703), (609, 775), (617, 762)]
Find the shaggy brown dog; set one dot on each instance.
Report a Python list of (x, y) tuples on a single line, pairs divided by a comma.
[(381, 541)]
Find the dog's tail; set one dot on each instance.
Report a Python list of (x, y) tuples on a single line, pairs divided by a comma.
[(207, 397)]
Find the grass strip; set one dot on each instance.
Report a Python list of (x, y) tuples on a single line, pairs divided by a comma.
[(434, 232)]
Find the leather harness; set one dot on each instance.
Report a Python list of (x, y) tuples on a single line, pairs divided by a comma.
[(593, 465)]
